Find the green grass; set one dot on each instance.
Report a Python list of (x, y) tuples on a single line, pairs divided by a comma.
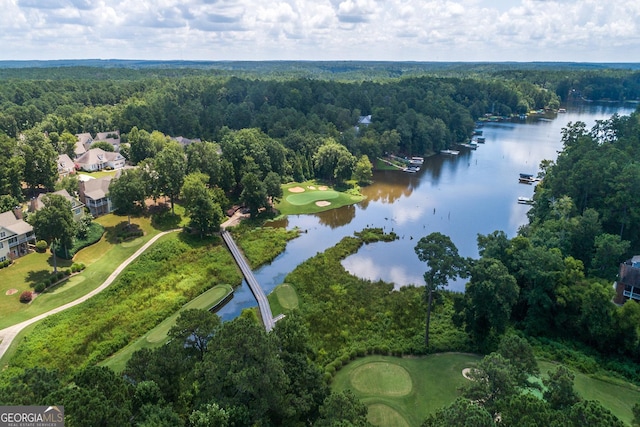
[(262, 245), (404, 391), (617, 397), (304, 203), (283, 299), (158, 335), (100, 259)]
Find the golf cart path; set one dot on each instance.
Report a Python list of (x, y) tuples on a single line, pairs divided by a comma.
[(7, 335)]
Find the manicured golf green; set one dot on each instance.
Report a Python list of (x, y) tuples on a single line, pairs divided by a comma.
[(404, 391), (287, 296), (311, 197), (158, 335)]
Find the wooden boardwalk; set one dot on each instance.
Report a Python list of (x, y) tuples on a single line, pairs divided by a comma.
[(258, 293)]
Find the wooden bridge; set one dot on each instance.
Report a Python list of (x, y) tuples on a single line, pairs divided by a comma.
[(258, 293)]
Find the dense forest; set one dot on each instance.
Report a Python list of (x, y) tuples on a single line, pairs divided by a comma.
[(259, 126)]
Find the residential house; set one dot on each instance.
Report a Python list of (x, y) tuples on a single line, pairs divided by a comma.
[(76, 205), (94, 195), (98, 159), (15, 235), (82, 144), (66, 166), (111, 137), (363, 121), (628, 284)]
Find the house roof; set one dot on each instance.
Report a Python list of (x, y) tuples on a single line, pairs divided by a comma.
[(185, 141), (98, 155), (39, 204), (96, 189), (9, 221), (65, 163), (365, 120)]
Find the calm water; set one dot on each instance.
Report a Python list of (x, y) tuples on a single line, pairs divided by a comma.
[(473, 193)]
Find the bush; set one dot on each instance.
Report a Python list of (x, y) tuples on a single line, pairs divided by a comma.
[(5, 263), (40, 287), (41, 246), (60, 275), (26, 296)]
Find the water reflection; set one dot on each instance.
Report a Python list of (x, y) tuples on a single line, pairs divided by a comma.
[(461, 196)]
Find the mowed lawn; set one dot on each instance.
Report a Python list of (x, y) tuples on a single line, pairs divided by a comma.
[(404, 391), (101, 259), (310, 197), (283, 299)]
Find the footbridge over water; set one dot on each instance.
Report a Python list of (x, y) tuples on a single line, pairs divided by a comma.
[(256, 289)]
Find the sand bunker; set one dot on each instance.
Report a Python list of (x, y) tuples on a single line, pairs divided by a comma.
[(322, 203), (323, 188), (296, 190), (311, 187), (466, 372), (11, 291)]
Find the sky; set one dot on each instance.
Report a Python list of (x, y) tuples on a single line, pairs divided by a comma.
[(386, 30)]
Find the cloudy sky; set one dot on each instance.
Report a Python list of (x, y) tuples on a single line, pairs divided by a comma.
[(414, 30)]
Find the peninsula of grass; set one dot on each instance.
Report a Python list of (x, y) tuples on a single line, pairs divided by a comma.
[(158, 335), (100, 259), (172, 272), (404, 391), (312, 197)]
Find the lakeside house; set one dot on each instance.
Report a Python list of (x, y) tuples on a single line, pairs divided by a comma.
[(15, 235), (628, 284)]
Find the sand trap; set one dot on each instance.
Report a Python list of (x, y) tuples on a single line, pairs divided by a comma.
[(466, 372), (323, 188), (311, 187), (322, 203), (296, 190), (11, 292)]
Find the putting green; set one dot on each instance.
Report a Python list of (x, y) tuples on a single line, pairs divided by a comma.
[(307, 197), (382, 379), (383, 415), (287, 296)]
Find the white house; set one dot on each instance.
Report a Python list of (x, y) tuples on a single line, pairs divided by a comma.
[(93, 193), (98, 159), (15, 235)]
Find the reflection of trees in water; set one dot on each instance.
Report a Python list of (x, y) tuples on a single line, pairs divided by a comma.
[(278, 223), (335, 218)]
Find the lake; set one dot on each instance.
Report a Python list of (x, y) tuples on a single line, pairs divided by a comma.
[(460, 196)]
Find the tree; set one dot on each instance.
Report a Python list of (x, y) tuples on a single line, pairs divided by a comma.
[(209, 415), (363, 170), (490, 295), (171, 166), (342, 409), (493, 380), (128, 193), (141, 146), (8, 202), (444, 263), (461, 413), (205, 214), (520, 354), (273, 185), (559, 388), (12, 168), (69, 183), (54, 223), (40, 160), (592, 413), (333, 161), (242, 369), (194, 329), (609, 251), (254, 193)]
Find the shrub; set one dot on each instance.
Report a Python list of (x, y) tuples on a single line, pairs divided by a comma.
[(40, 287), (60, 275), (26, 296), (41, 246), (52, 280), (67, 272), (6, 263)]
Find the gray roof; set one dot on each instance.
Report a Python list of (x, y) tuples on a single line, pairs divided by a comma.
[(96, 189), (9, 221)]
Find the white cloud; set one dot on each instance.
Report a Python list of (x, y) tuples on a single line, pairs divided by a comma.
[(525, 30)]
